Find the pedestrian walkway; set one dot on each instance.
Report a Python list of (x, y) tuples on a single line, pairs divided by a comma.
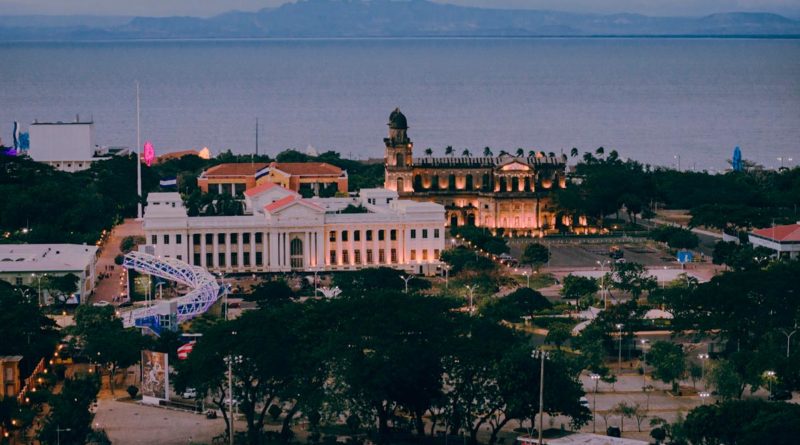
[(113, 284)]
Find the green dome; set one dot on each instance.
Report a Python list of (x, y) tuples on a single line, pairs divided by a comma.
[(397, 121)]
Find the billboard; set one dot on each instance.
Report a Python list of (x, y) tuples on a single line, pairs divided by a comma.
[(155, 377)]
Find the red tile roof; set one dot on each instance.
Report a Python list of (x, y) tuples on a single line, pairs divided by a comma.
[(786, 233), (235, 169), (308, 168), (260, 188), (283, 202)]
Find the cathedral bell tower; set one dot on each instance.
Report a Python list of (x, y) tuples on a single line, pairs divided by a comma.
[(398, 158)]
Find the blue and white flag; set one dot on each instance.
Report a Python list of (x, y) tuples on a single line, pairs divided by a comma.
[(16, 135), (169, 183), (263, 172)]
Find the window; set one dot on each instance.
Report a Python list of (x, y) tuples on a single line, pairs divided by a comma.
[(178, 239), (381, 235), (196, 259), (393, 256), (332, 236), (246, 238), (413, 255), (369, 235), (166, 239), (357, 256), (18, 281), (424, 254), (234, 259), (435, 254), (209, 259), (153, 239), (413, 233), (234, 238), (221, 238), (393, 235), (344, 235), (196, 239), (436, 233), (370, 259), (296, 253), (246, 259), (345, 257), (259, 238), (221, 258), (333, 257), (180, 257), (381, 256), (209, 238), (424, 233), (259, 259), (356, 235)]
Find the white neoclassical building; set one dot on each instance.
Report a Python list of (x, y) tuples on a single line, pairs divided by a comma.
[(281, 232)]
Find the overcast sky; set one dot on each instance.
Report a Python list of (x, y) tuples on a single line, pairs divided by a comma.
[(211, 7)]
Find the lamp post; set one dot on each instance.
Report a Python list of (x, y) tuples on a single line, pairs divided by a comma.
[(603, 264), (619, 362), (446, 276), (527, 278), (543, 355), (703, 358), (644, 363), (470, 289), (770, 375), (58, 433), (788, 335), (678, 157), (596, 378), (703, 396), (406, 279), (230, 360)]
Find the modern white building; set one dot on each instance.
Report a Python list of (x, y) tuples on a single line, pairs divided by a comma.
[(784, 240), (281, 232), (28, 264), (67, 146)]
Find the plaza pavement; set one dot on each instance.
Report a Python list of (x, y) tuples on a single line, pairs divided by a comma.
[(109, 287)]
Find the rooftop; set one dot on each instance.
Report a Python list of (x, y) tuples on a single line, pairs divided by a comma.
[(307, 168), (235, 169), (45, 257), (781, 234), (470, 161)]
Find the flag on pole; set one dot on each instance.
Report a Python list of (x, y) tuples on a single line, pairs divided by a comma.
[(263, 172), (169, 183), (183, 351)]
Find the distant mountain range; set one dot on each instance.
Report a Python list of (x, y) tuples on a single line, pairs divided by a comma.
[(390, 18)]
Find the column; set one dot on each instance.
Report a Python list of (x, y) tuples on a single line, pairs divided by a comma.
[(307, 250), (203, 250), (273, 250), (227, 250), (253, 250), (214, 254), (240, 253)]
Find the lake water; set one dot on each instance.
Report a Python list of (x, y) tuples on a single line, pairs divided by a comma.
[(650, 99)]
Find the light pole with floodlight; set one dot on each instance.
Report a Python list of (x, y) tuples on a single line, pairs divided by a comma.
[(470, 289), (543, 355), (603, 264), (58, 433), (596, 378), (703, 358), (406, 279), (619, 363)]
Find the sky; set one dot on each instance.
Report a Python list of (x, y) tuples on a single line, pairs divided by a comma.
[(212, 7)]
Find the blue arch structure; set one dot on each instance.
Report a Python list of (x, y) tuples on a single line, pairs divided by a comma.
[(204, 290)]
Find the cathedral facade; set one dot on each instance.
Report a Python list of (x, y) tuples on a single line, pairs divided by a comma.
[(505, 192)]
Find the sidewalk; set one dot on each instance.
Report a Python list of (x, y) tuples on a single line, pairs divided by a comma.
[(113, 285)]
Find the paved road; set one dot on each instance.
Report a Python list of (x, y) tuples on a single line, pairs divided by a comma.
[(114, 284)]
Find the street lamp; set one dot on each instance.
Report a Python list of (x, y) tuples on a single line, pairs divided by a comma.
[(527, 278), (603, 264), (703, 396), (770, 375), (470, 289), (446, 275), (644, 363), (703, 358), (58, 433), (619, 363), (788, 335), (230, 360), (406, 279), (596, 378), (543, 355)]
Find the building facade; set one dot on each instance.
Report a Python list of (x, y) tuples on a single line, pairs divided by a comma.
[(282, 232), (28, 264), (783, 240), (307, 178), (508, 192)]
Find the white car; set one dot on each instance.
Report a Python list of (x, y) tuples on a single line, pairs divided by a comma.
[(584, 402), (190, 393), (101, 304)]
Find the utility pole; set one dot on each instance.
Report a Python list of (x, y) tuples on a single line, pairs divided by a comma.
[(58, 433), (138, 158), (543, 355)]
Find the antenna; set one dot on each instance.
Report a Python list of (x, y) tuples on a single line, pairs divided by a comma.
[(256, 136), (138, 159)]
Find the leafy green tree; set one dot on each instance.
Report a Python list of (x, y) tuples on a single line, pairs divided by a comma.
[(668, 361), (523, 301), (744, 422), (632, 278), (558, 334), (462, 258), (61, 287), (354, 283), (69, 412), (270, 293), (25, 330), (448, 151), (575, 287), (428, 152), (675, 237), (535, 255), (726, 381)]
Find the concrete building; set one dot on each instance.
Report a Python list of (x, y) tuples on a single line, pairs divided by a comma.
[(28, 264), (10, 375), (281, 232), (306, 178), (508, 192), (68, 146), (783, 240)]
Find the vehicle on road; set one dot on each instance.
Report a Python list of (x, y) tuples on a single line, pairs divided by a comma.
[(190, 393), (616, 253), (101, 304), (584, 402)]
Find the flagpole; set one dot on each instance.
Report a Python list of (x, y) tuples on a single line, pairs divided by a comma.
[(138, 160)]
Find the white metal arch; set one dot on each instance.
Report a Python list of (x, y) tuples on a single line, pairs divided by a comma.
[(204, 289)]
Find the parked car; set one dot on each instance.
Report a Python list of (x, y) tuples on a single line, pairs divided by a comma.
[(190, 393), (780, 394), (616, 253), (101, 303), (584, 402)]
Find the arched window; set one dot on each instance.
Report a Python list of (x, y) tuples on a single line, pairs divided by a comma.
[(471, 219), (453, 220), (502, 184), (451, 180), (486, 184), (469, 182), (417, 183), (296, 253), (515, 184), (400, 160), (528, 184), (435, 182), (400, 188)]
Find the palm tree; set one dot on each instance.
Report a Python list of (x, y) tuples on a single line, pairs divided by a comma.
[(448, 151), (428, 152), (574, 152), (552, 154), (520, 152), (531, 153), (487, 152), (600, 151), (503, 152), (466, 153)]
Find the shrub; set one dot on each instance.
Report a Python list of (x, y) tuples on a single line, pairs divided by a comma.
[(132, 391)]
